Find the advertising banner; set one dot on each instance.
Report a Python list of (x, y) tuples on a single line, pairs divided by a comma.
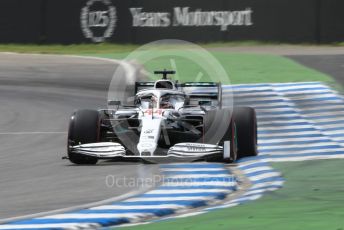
[(141, 21)]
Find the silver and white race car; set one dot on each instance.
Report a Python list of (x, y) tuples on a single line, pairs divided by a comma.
[(168, 121)]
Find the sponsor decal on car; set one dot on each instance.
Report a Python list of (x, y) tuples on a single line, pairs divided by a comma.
[(148, 131), (196, 149), (155, 111), (147, 145)]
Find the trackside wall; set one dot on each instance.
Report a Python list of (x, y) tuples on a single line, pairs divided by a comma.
[(140, 21)]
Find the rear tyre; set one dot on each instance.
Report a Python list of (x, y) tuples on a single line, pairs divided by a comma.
[(84, 127), (246, 128)]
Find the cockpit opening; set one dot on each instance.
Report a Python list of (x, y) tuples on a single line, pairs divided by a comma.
[(165, 101)]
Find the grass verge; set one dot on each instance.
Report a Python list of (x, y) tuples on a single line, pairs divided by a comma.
[(241, 68), (311, 199), (111, 47), (67, 49)]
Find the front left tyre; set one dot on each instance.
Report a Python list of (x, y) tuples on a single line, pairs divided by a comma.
[(213, 121), (84, 127), (246, 126), (229, 143)]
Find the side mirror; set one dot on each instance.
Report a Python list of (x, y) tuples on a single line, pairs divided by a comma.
[(117, 103)]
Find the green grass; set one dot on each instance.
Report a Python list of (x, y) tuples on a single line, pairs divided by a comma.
[(241, 68), (311, 199), (67, 49), (102, 47), (96, 48), (111, 47)]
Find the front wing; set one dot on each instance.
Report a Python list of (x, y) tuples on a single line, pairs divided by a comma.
[(178, 153)]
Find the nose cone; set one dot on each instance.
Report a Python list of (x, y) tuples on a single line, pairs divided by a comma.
[(147, 148), (150, 133)]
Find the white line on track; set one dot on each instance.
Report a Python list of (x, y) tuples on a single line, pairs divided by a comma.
[(30, 133), (286, 127), (268, 94), (253, 197), (256, 169), (298, 87), (333, 132), (311, 97), (189, 214), (191, 169), (51, 226), (178, 198), (323, 107), (186, 191), (197, 183), (95, 216), (308, 151), (291, 121), (281, 141), (305, 158), (186, 176), (258, 99), (320, 119), (265, 184), (332, 126), (129, 207), (324, 90), (250, 164), (289, 133), (271, 105), (276, 116), (281, 147), (264, 176)]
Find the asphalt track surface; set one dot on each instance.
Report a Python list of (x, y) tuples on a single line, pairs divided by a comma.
[(37, 95), (332, 65)]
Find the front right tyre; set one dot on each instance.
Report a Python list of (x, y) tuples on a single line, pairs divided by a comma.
[(84, 127)]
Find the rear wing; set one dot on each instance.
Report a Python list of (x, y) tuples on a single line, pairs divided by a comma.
[(203, 93)]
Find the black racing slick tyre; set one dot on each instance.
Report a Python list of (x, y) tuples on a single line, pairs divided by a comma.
[(216, 120), (246, 128), (229, 143), (84, 127)]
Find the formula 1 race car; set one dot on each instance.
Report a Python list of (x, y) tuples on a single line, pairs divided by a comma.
[(168, 121)]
